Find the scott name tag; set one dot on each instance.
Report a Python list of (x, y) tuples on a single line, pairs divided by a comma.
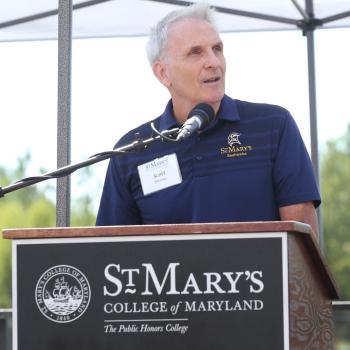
[(160, 173)]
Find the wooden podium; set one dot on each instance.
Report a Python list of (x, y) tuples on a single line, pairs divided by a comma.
[(251, 286)]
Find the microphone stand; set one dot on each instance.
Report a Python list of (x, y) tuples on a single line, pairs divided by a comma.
[(137, 145)]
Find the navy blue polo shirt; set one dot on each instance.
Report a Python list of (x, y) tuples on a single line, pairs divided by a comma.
[(249, 162)]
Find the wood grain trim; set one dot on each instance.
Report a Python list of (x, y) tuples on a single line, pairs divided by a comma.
[(310, 308), (137, 230)]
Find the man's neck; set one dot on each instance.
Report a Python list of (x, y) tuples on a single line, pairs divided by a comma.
[(181, 111)]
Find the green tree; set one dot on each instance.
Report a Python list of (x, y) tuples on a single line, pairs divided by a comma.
[(32, 207), (335, 175), (29, 207)]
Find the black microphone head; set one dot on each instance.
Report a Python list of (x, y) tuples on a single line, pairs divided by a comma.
[(205, 112)]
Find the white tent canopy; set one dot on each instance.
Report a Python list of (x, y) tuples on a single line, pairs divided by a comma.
[(36, 20)]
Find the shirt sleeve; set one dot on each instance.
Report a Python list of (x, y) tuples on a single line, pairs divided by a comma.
[(293, 175), (117, 206)]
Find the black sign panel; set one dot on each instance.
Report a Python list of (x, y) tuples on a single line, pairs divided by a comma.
[(222, 293)]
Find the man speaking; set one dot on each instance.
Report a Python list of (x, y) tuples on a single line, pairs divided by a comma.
[(234, 161)]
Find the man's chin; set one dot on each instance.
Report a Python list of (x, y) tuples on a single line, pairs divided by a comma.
[(214, 98)]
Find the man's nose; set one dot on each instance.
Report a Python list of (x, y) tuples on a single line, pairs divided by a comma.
[(212, 59)]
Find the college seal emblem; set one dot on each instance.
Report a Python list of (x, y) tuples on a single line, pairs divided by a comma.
[(62, 293)]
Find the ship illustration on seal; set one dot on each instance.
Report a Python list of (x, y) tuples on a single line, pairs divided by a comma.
[(62, 292), (64, 297)]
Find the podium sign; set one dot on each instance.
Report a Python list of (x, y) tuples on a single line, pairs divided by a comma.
[(212, 291)]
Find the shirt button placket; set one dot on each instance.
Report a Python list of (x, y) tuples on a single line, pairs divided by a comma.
[(198, 157)]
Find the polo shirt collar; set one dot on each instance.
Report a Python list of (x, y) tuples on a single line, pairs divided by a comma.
[(167, 120), (227, 111)]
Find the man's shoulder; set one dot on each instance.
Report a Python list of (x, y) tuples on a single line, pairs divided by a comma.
[(254, 110)]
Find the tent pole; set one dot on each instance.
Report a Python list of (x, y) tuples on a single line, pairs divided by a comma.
[(310, 32), (64, 110)]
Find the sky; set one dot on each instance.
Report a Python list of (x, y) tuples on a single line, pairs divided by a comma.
[(114, 90)]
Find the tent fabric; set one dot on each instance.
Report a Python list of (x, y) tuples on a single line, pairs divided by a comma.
[(38, 20)]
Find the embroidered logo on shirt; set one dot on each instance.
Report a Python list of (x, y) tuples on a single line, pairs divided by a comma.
[(233, 139), (233, 150)]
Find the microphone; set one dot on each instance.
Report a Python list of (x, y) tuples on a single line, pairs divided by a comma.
[(199, 117)]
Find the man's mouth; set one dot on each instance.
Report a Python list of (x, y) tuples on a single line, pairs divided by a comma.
[(212, 80)]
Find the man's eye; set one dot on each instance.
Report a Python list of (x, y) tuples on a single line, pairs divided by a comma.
[(218, 48), (195, 51)]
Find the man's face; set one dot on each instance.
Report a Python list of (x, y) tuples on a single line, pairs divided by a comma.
[(194, 64)]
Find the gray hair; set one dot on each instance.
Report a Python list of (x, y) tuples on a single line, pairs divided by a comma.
[(158, 37)]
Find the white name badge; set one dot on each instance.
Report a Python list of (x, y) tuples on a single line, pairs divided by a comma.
[(160, 173)]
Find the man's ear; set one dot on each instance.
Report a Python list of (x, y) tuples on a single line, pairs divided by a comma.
[(161, 72)]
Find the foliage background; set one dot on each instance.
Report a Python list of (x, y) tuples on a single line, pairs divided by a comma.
[(335, 175), (32, 207)]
